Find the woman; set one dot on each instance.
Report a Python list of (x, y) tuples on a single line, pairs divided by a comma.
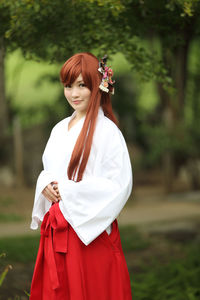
[(86, 181)]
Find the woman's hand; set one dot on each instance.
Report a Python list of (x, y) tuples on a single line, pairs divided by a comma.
[(51, 192)]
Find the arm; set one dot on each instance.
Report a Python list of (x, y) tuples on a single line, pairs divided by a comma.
[(44, 193), (92, 204), (41, 204)]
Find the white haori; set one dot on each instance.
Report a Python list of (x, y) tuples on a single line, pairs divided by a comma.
[(92, 204)]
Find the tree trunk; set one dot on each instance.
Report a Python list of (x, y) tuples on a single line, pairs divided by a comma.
[(168, 163), (173, 108), (181, 57), (18, 153), (3, 105)]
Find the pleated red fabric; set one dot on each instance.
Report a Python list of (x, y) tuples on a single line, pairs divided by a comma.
[(67, 269)]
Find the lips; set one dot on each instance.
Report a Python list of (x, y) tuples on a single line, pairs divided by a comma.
[(77, 101)]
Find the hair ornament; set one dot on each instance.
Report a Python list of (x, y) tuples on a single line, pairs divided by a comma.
[(107, 82)]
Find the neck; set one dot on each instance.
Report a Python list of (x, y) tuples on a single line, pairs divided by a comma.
[(80, 114)]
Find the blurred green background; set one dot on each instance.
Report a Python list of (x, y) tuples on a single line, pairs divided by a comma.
[(153, 48)]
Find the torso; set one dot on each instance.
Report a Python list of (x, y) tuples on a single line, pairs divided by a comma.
[(72, 123)]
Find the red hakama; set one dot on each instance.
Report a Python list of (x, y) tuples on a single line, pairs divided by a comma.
[(67, 269)]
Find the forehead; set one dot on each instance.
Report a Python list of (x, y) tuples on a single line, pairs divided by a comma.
[(79, 78)]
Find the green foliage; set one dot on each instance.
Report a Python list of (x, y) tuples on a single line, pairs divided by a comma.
[(27, 294), (154, 37), (10, 218), (116, 6), (146, 63), (6, 201), (132, 239), (4, 17), (183, 142), (5, 270), (20, 249), (178, 280), (188, 6), (28, 84), (62, 28)]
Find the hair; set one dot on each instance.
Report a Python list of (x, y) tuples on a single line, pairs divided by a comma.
[(87, 65)]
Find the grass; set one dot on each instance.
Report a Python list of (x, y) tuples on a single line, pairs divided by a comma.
[(177, 280), (132, 239), (7, 218), (20, 249), (25, 247), (157, 272), (6, 201)]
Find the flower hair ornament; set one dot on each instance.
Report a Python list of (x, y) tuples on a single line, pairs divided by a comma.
[(107, 82)]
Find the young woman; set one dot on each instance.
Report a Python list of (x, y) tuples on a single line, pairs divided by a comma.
[(86, 181)]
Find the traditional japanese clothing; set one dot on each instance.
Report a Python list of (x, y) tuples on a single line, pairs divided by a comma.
[(80, 255)]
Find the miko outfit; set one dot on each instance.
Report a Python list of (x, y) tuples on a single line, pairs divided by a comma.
[(80, 255)]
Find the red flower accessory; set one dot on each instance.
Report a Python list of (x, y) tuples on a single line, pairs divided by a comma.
[(107, 82)]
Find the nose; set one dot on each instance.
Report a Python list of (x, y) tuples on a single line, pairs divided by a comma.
[(75, 93)]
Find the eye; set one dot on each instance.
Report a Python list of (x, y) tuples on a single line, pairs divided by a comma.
[(82, 84), (67, 86)]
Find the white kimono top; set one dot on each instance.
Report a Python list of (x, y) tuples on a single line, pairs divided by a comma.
[(92, 204)]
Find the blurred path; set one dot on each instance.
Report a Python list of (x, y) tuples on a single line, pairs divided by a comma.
[(16, 229), (142, 211), (157, 211), (161, 214)]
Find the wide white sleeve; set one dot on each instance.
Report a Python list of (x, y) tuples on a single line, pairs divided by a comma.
[(41, 204), (92, 204)]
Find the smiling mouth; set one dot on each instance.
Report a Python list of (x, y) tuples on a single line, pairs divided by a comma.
[(77, 102)]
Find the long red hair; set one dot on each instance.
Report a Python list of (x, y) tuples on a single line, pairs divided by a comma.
[(86, 64)]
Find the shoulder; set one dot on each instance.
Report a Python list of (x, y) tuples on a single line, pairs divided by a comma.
[(109, 134), (60, 125), (111, 129), (111, 126), (106, 125)]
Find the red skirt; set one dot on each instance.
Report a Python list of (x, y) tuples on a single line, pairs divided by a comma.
[(67, 269)]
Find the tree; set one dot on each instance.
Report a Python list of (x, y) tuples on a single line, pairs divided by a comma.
[(172, 31), (155, 36), (5, 18)]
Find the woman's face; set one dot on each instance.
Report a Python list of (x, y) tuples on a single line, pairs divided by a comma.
[(78, 95)]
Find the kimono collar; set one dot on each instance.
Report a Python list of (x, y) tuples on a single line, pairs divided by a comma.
[(100, 114)]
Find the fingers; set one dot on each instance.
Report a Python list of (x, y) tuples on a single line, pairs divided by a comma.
[(55, 187), (53, 192), (50, 194), (54, 182), (57, 191)]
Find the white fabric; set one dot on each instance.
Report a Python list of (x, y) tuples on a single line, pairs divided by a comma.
[(90, 205)]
